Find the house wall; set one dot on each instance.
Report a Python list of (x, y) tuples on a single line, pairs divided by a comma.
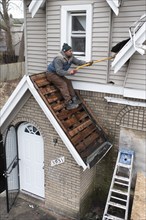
[(65, 186), (43, 41), (35, 41)]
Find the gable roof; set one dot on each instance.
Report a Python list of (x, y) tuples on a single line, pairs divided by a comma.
[(134, 44), (77, 128)]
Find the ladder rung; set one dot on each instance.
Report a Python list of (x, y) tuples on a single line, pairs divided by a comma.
[(119, 192), (122, 178), (123, 184), (124, 165), (114, 197), (117, 205), (111, 217)]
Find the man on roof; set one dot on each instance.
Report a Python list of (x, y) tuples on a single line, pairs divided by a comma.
[(57, 71)]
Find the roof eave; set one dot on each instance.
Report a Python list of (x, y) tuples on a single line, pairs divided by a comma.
[(35, 5), (114, 6)]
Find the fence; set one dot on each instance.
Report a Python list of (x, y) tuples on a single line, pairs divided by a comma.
[(12, 71)]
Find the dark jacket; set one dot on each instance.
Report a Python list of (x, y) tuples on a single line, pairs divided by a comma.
[(61, 64)]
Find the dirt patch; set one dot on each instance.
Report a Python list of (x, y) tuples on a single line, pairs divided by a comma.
[(6, 89)]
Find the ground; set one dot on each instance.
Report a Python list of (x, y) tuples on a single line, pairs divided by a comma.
[(6, 89), (23, 210)]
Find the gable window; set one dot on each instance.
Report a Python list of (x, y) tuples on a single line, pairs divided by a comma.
[(76, 29)]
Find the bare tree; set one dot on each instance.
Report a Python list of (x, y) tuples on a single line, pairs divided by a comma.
[(5, 24)]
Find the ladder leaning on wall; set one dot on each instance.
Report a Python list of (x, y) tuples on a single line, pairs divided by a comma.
[(117, 204)]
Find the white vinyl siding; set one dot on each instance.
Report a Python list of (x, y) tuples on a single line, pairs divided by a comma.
[(53, 29), (35, 40), (136, 74)]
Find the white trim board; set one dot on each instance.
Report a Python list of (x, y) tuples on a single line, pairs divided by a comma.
[(114, 4), (125, 101), (111, 89), (35, 5)]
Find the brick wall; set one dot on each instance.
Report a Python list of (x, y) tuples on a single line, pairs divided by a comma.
[(111, 116), (65, 184)]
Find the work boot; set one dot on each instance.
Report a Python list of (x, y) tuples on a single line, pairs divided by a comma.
[(76, 100), (71, 105)]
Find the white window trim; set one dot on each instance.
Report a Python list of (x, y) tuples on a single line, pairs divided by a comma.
[(129, 49), (114, 4), (64, 19)]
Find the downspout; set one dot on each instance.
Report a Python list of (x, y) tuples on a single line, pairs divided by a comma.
[(109, 43)]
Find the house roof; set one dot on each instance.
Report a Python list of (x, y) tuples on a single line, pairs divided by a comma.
[(77, 128), (138, 37)]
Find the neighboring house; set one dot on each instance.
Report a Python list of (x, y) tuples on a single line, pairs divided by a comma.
[(17, 31), (92, 28)]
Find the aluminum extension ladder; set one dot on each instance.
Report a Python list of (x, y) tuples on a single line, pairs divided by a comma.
[(117, 204)]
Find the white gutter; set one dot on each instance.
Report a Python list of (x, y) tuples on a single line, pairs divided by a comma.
[(35, 5), (125, 102), (55, 124), (114, 4), (13, 100), (128, 50)]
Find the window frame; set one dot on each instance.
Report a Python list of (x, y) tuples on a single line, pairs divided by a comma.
[(66, 25)]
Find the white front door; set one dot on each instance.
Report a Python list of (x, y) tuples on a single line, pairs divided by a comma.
[(31, 155)]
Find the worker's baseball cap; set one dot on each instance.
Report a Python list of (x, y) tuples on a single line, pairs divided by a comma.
[(66, 47)]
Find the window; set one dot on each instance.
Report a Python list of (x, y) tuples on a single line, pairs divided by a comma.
[(32, 130), (76, 26)]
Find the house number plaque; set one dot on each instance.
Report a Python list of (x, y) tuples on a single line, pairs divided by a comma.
[(57, 161)]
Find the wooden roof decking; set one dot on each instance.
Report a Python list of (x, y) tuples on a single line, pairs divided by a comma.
[(79, 125)]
